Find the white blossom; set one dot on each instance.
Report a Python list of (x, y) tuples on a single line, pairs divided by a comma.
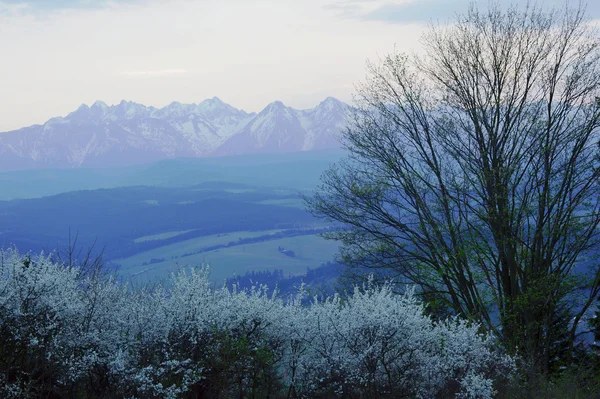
[(163, 341)]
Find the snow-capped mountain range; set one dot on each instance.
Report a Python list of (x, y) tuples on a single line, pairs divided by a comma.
[(130, 133)]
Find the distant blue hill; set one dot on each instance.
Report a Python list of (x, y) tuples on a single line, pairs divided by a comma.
[(296, 170)]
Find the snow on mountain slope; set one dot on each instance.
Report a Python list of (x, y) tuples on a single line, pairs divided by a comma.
[(283, 129), (324, 124), (129, 133)]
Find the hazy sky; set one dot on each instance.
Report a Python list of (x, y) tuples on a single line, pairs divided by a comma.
[(58, 54)]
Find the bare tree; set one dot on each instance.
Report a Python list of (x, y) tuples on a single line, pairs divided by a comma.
[(474, 172), (89, 262)]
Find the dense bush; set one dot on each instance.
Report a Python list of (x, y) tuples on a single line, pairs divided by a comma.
[(63, 334)]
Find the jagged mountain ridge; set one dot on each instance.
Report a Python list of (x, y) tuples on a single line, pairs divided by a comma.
[(130, 133)]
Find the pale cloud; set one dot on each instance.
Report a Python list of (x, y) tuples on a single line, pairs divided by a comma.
[(362, 8), (411, 11), (164, 72), (248, 53), (54, 5), (11, 10), (57, 54), (424, 10)]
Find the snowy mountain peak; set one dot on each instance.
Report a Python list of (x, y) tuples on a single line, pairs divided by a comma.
[(212, 104), (129, 104), (129, 110), (175, 109), (100, 104), (331, 103), (215, 109), (129, 133), (275, 106), (81, 113), (215, 100), (99, 109)]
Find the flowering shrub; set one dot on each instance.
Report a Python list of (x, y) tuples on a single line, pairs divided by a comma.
[(65, 334)]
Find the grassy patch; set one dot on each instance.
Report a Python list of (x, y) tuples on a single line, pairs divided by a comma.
[(310, 251), (161, 236), (175, 250), (291, 202), (239, 190)]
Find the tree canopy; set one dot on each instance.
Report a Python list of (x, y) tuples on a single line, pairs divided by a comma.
[(474, 173)]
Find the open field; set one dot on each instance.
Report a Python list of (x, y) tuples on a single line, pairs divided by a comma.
[(239, 190), (292, 202), (144, 230), (161, 236), (177, 249), (310, 251), (130, 220)]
